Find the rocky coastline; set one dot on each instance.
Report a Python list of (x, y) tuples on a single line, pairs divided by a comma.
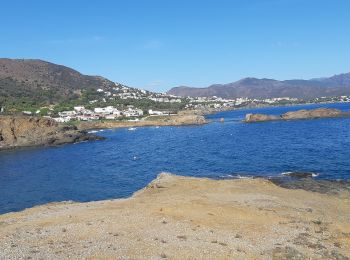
[(28, 131), (298, 115), (182, 119), (178, 217)]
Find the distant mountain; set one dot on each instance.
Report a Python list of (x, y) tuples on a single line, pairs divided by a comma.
[(269, 88), (43, 81)]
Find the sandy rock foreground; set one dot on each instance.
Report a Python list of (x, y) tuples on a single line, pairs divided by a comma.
[(186, 218)]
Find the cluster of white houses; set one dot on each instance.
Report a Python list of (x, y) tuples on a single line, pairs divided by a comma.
[(82, 114), (217, 102), (111, 113), (124, 92)]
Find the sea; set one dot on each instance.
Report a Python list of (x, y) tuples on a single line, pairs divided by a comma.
[(128, 159)]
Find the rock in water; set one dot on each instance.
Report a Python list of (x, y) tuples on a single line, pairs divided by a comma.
[(22, 131), (260, 118), (314, 113), (300, 114)]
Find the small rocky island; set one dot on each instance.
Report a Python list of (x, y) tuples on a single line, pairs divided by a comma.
[(296, 115), (24, 131)]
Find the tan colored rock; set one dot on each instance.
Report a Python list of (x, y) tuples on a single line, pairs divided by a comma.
[(176, 120), (300, 114), (21, 131), (260, 118), (186, 218), (314, 113)]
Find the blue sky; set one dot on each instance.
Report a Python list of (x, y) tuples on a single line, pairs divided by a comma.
[(159, 44)]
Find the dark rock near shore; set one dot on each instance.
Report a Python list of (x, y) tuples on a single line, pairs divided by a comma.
[(309, 184), (22, 131), (300, 114)]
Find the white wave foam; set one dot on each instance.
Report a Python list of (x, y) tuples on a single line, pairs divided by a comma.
[(237, 176), (289, 173)]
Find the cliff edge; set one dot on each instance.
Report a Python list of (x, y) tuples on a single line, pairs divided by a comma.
[(24, 131)]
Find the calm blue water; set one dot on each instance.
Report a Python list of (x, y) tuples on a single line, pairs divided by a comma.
[(127, 160)]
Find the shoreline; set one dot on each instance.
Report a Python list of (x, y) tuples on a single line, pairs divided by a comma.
[(176, 120), (18, 132), (179, 217), (308, 184), (275, 106), (195, 120)]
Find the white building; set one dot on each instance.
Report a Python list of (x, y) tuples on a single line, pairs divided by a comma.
[(62, 119), (79, 108), (155, 113), (67, 113), (133, 112), (104, 110), (26, 112)]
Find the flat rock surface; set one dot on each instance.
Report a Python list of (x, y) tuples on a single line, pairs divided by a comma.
[(186, 218)]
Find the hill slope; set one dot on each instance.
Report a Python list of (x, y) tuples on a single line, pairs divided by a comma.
[(44, 82), (268, 88)]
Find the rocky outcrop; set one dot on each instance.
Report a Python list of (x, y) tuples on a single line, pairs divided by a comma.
[(300, 114), (260, 118), (22, 131), (178, 120), (178, 217), (314, 113)]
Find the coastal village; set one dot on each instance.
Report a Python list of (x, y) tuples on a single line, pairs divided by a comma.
[(100, 108), (133, 113)]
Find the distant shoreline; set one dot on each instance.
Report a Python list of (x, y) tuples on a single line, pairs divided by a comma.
[(176, 120)]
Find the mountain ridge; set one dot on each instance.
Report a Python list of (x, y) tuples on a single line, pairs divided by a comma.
[(44, 81), (250, 87)]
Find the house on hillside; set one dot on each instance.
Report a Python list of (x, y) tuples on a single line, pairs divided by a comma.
[(161, 112), (131, 112)]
